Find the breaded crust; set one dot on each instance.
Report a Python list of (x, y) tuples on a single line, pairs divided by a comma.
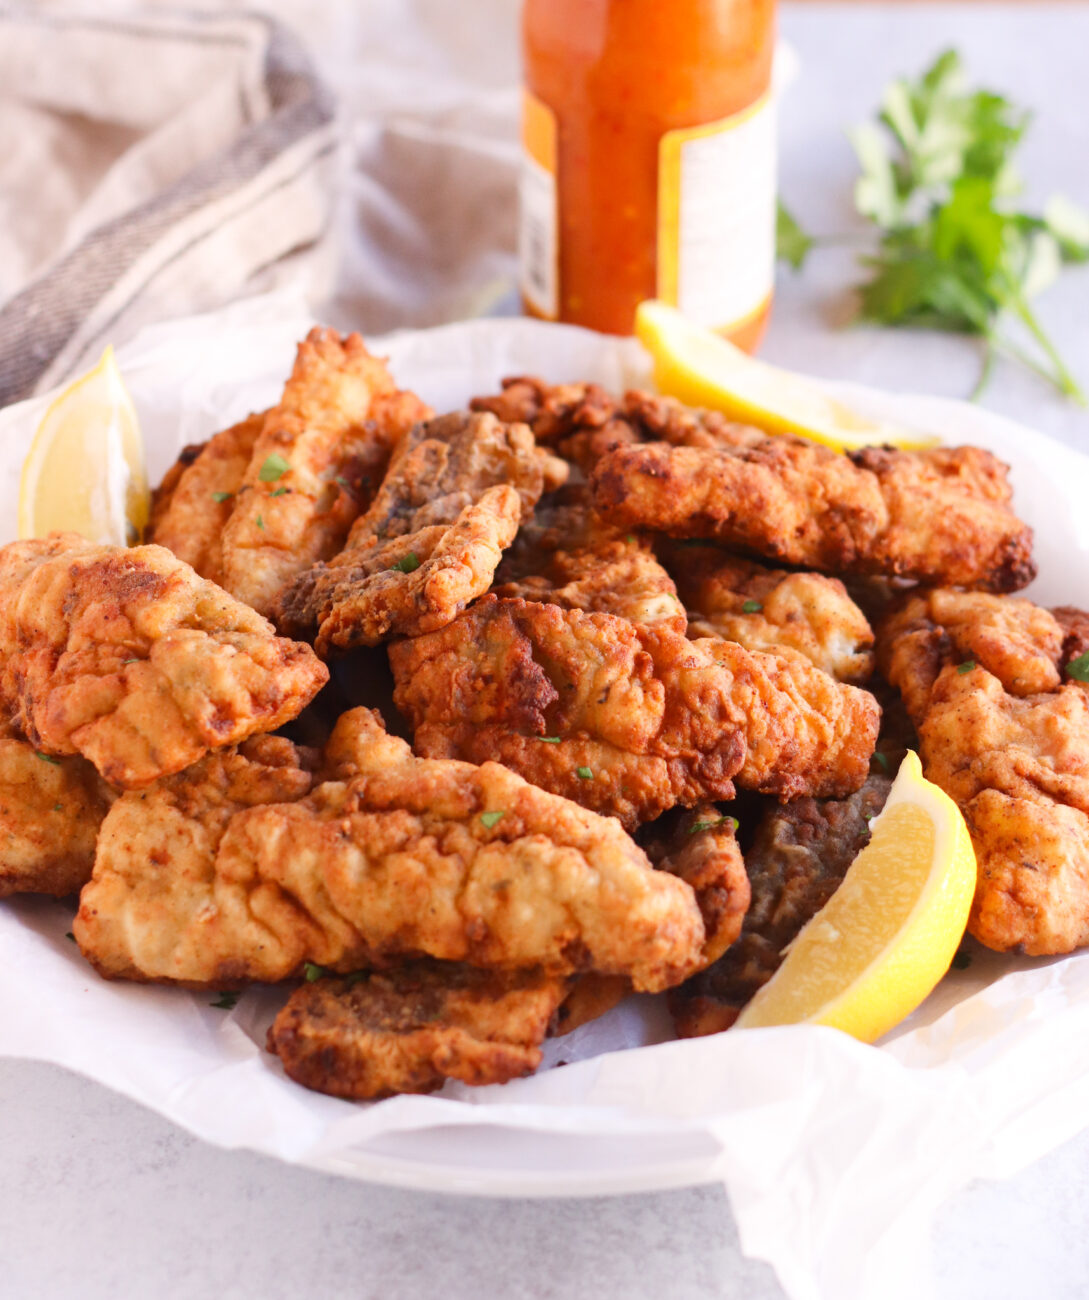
[(628, 720), (236, 870), (451, 502), (410, 1030), (50, 812), (940, 516), (772, 609), (316, 462), (1004, 730), (126, 656)]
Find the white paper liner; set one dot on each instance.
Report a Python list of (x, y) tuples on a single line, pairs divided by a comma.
[(834, 1155)]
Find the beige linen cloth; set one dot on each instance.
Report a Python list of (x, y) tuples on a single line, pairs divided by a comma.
[(151, 164), (155, 163)]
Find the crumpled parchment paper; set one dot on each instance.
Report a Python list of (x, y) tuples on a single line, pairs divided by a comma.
[(835, 1155)]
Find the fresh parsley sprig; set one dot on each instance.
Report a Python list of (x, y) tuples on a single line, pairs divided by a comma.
[(938, 181)]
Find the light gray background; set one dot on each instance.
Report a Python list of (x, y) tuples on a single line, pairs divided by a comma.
[(99, 1198)]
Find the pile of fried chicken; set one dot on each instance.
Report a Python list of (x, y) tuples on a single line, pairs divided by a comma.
[(627, 659)]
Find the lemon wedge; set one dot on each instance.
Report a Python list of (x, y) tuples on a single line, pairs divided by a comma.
[(84, 472), (889, 932), (703, 369)]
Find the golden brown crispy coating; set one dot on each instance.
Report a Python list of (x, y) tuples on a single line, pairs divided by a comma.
[(1006, 737), (201, 883), (406, 585), (771, 609), (584, 423), (938, 516), (315, 462), (628, 720), (563, 520), (619, 577), (450, 503), (700, 847), (410, 1030), (195, 499), (1015, 640), (799, 854), (127, 657), (50, 812)]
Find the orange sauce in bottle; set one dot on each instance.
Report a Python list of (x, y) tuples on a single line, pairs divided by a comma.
[(649, 161)]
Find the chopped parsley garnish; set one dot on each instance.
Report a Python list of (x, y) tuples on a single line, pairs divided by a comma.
[(962, 960), (966, 667), (280, 492), (882, 761), (408, 563), (274, 467), (129, 661), (220, 497), (70, 935), (550, 740), (630, 539), (260, 523), (227, 1001), (312, 971), (58, 807), (1079, 668), (584, 773), (710, 826), (48, 758), (751, 607), (490, 818)]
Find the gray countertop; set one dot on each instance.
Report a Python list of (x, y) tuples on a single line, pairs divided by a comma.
[(98, 1197)]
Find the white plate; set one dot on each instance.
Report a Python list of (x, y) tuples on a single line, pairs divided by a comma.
[(830, 1150)]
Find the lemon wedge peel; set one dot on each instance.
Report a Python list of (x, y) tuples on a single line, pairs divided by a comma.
[(889, 933), (703, 369), (84, 472)]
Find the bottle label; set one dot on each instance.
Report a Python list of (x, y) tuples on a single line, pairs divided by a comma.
[(716, 217), (538, 225)]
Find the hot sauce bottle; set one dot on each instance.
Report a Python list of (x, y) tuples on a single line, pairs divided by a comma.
[(649, 161)]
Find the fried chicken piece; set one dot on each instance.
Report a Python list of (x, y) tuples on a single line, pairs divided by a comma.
[(127, 657), (619, 577), (1007, 737), (581, 421), (410, 1030), (799, 854), (584, 423), (770, 609), (941, 515), (938, 516), (50, 812), (407, 585), (388, 857), (627, 720), (194, 501), (563, 520), (432, 539), (316, 460), (700, 847), (1013, 639)]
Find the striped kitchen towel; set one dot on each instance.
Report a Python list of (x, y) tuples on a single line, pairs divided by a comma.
[(152, 165)]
